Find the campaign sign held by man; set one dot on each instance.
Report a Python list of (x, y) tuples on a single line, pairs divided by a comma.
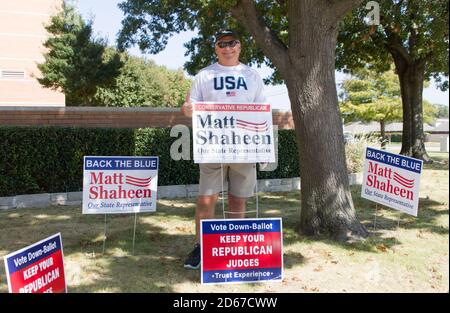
[(233, 133)]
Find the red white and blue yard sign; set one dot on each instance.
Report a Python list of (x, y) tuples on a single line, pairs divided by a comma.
[(233, 133), (38, 268), (119, 184), (392, 180), (241, 250)]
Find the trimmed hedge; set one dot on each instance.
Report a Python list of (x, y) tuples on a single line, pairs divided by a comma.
[(50, 159), (396, 137)]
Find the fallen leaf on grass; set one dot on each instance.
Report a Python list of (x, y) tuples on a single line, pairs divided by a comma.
[(183, 229), (310, 289), (438, 277), (318, 269), (382, 248)]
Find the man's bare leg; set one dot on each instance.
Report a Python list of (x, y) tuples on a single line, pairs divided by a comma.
[(206, 207), (204, 210), (236, 207)]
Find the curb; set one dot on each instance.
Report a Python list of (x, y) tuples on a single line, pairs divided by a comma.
[(164, 192)]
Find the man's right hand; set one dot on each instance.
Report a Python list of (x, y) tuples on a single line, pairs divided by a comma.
[(187, 107)]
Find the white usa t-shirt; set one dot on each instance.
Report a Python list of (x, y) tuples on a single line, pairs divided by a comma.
[(228, 84)]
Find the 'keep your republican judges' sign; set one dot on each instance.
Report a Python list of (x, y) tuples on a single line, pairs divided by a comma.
[(241, 250), (119, 184), (38, 268), (392, 180), (233, 133)]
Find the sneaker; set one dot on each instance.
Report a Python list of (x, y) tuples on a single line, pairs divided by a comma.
[(193, 259)]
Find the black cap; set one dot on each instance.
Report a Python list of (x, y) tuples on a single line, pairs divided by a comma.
[(225, 32)]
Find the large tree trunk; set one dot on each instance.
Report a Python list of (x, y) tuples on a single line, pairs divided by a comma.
[(327, 205), (411, 78), (307, 66)]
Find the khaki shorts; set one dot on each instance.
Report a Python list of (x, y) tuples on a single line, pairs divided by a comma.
[(241, 178)]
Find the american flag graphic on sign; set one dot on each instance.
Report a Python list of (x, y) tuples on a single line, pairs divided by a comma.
[(408, 183), (231, 93), (254, 127), (139, 182)]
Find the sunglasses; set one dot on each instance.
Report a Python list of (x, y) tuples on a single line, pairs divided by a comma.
[(231, 43)]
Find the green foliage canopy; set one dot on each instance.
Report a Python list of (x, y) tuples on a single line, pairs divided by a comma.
[(149, 24), (442, 111), (91, 73), (76, 61), (372, 97), (143, 83), (415, 30), (369, 96)]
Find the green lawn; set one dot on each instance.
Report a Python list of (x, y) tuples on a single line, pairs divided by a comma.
[(411, 258)]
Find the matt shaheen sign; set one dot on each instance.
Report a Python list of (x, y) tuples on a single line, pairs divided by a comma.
[(233, 133), (119, 184), (392, 180)]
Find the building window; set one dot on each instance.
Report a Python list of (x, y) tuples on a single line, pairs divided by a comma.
[(12, 74)]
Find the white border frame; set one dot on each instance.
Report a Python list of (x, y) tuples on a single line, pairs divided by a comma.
[(121, 156)]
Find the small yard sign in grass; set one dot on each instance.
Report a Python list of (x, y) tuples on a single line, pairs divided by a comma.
[(392, 180), (38, 268), (241, 250)]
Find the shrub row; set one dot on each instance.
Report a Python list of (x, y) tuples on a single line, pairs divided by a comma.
[(50, 159)]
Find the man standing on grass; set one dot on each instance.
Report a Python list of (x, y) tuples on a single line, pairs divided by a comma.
[(212, 84)]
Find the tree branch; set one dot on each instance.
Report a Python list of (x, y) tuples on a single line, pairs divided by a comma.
[(393, 41), (246, 13), (394, 44), (281, 2), (339, 8), (428, 57)]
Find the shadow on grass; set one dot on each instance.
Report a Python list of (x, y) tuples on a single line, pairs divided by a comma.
[(440, 161), (388, 219), (154, 265), (291, 232), (156, 262), (379, 219)]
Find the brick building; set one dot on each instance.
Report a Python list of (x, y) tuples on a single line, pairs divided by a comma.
[(22, 34)]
